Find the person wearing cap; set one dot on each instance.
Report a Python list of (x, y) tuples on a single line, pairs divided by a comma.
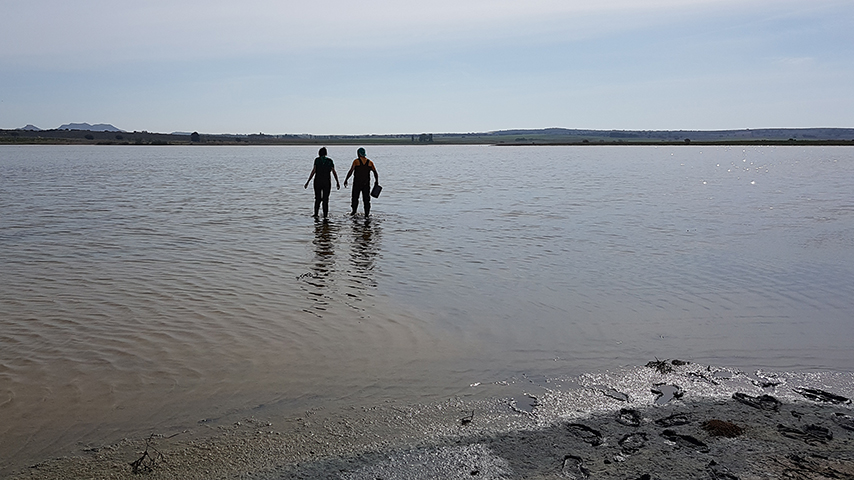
[(361, 171), (323, 166)]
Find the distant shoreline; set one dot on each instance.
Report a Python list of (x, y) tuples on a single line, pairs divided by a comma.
[(758, 143), (800, 143), (542, 137)]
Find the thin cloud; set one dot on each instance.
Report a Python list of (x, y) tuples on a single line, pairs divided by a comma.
[(169, 29), (794, 61), (334, 66)]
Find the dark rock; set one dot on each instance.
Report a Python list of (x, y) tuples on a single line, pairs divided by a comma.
[(818, 466), (819, 433), (762, 402), (673, 420), (718, 472), (585, 433), (810, 434), (765, 383), (616, 395), (702, 377), (844, 421), (822, 396), (629, 417), (660, 365), (573, 468), (685, 441), (633, 442)]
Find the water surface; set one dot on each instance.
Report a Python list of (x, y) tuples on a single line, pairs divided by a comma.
[(145, 287)]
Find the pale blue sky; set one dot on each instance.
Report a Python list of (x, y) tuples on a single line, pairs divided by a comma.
[(395, 66)]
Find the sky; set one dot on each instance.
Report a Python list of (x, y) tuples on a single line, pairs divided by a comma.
[(354, 67)]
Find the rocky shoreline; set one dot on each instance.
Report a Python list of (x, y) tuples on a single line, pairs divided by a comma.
[(668, 420)]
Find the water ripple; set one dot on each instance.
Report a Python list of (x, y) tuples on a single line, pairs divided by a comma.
[(153, 286)]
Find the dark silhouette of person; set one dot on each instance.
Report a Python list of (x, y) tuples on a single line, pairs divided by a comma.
[(361, 171), (323, 166)]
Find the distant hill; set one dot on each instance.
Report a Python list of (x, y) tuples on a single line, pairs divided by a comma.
[(31, 128), (99, 127)]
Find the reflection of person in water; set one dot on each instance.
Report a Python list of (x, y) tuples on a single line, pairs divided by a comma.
[(322, 277), (324, 246), (361, 171), (365, 246), (323, 166)]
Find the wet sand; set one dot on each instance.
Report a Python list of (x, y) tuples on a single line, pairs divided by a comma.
[(662, 421)]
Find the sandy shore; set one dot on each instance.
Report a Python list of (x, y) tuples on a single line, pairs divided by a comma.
[(662, 421)]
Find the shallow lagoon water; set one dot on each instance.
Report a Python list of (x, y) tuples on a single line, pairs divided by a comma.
[(146, 287)]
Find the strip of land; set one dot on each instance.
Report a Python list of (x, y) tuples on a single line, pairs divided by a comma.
[(549, 136)]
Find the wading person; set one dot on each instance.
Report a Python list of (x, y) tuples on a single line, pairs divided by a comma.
[(323, 166), (361, 172)]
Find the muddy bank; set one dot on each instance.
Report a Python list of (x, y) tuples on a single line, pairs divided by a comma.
[(670, 422)]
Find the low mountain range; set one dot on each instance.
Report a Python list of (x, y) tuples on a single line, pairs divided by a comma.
[(98, 127)]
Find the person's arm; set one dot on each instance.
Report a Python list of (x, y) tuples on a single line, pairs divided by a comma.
[(352, 167), (335, 174), (310, 177), (376, 175)]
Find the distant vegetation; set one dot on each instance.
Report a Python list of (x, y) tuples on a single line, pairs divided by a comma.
[(549, 136)]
